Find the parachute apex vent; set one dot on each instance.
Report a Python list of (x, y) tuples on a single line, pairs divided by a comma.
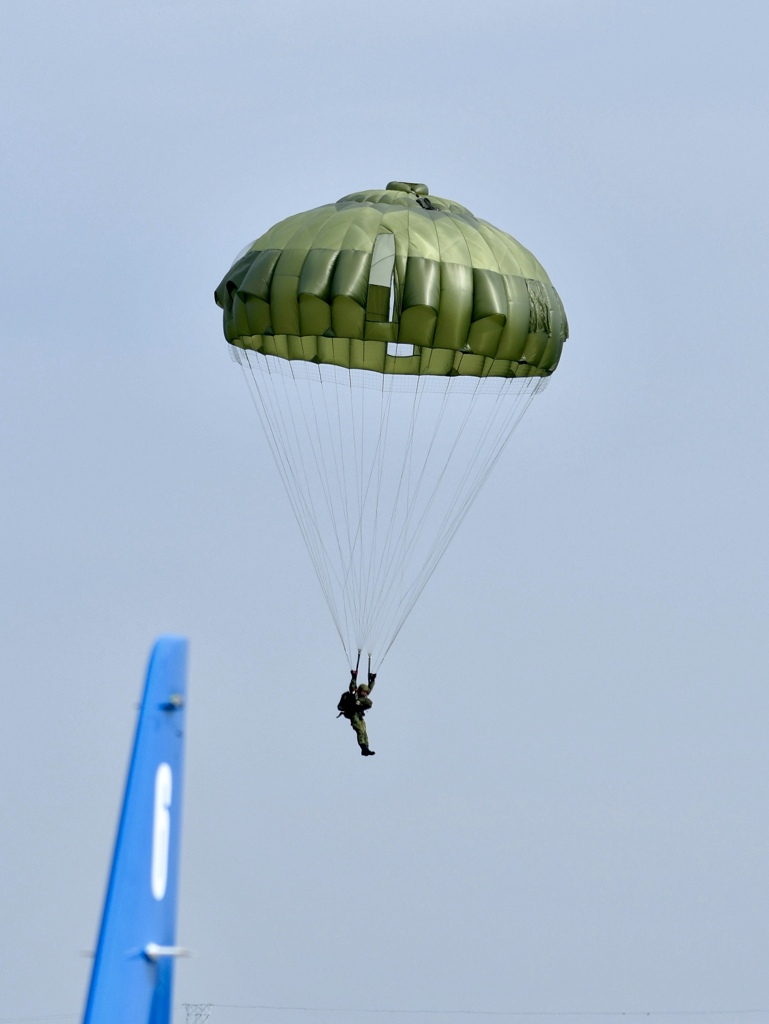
[(416, 187)]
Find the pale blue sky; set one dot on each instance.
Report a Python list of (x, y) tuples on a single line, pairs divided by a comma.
[(568, 807)]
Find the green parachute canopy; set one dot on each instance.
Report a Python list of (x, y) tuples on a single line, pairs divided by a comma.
[(391, 342), (395, 281)]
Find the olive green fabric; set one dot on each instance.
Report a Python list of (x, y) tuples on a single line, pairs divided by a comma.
[(359, 725), (464, 298)]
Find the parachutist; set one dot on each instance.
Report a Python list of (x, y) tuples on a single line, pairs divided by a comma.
[(354, 704), (393, 314)]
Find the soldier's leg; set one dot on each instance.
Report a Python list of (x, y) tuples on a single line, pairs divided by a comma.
[(359, 725)]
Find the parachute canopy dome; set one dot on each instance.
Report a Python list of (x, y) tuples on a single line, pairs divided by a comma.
[(398, 282), (391, 342)]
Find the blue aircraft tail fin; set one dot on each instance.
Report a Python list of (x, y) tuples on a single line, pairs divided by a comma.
[(132, 976)]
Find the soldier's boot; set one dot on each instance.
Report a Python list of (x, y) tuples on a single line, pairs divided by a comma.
[(366, 752)]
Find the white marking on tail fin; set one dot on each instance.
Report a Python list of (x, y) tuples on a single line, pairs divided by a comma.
[(161, 830)]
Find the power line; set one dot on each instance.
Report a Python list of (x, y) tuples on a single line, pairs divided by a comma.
[(197, 1013), (52, 1016), (204, 1010), (501, 1013)]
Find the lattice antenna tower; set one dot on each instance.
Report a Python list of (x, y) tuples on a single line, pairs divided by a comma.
[(198, 1013)]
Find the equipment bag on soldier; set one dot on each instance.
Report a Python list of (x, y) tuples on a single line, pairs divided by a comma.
[(347, 705)]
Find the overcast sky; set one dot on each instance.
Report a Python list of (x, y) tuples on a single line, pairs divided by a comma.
[(568, 806)]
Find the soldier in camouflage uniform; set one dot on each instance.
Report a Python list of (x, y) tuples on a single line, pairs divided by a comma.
[(357, 710)]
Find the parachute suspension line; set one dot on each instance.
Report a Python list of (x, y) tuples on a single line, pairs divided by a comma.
[(453, 519), (362, 538), (301, 501), (456, 514), (352, 572), (369, 505), (390, 469), (483, 441), (368, 470), (378, 557), (271, 417), (336, 433), (370, 488), (331, 460), (322, 464), (383, 558), (397, 528), (374, 476), (413, 495), (288, 426), (352, 569), (324, 568), (407, 543), (411, 535), (324, 460), (340, 468), (285, 466), (464, 497), (348, 492), (502, 438), (384, 492)]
